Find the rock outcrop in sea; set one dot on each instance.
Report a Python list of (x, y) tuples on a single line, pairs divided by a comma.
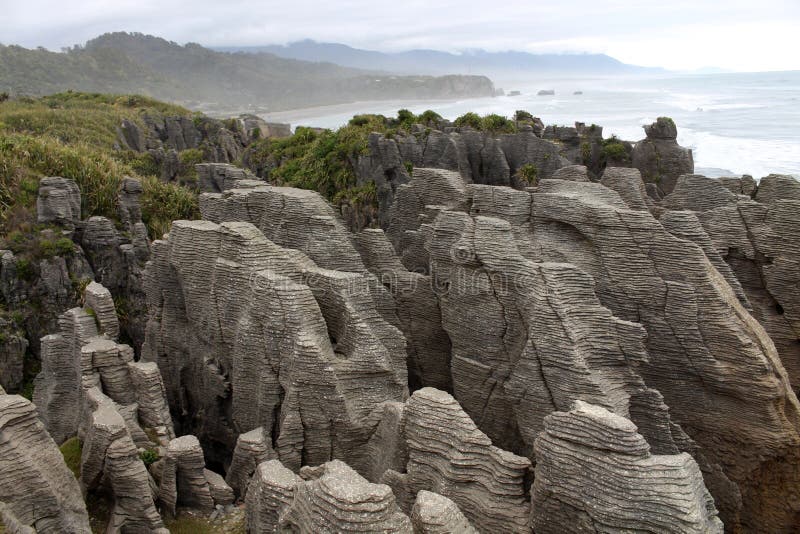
[(589, 352)]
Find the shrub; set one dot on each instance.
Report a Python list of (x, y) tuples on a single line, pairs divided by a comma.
[(528, 173), (4, 96), (469, 119), (497, 123), (522, 116), (430, 118), (149, 456), (614, 149), (25, 270), (163, 203)]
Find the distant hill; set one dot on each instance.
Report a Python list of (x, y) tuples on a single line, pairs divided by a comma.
[(202, 78), (438, 63)]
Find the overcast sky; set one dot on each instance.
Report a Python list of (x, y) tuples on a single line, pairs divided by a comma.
[(676, 34)]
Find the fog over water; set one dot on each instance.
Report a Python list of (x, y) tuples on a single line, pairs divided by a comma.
[(735, 123)]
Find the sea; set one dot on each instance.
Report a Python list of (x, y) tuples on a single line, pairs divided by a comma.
[(742, 123)]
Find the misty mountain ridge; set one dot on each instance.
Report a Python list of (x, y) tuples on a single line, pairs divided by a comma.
[(435, 62), (216, 81)]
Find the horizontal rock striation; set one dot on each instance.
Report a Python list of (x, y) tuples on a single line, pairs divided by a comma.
[(447, 454), (253, 335), (435, 514), (582, 450), (334, 498), (110, 458), (715, 366), (758, 239), (38, 491)]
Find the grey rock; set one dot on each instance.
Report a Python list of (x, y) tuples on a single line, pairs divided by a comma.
[(447, 454), (183, 480), (580, 451), (218, 177), (334, 498), (57, 388), (269, 494), (220, 491), (659, 157), (99, 300), (38, 491), (727, 365), (628, 184), (776, 187), (252, 449), (151, 396), (59, 201), (436, 514), (574, 173), (110, 457)]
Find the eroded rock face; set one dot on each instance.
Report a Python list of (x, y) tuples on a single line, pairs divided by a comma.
[(253, 335), (732, 385), (660, 158), (110, 457), (269, 494), (59, 201), (447, 454), (58, 388), (334, 498), (758, 241), (38, 490), (582, 449), (435, 514), (183, 479)]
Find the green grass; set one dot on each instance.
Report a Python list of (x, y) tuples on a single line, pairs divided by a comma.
[(71, 450), (190, 525), (73, 135)]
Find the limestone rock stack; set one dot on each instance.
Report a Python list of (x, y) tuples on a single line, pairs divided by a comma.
[(580, 451), (257, 335), (758, 241), (435, 514), (334, 498), (447, 454), (109, 456), (37, 490), (185, 481), (660, 158)]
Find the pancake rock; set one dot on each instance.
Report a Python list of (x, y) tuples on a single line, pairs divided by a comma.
[(435, 514), (252, 449), (418, 313), (218, 177), (541, 340), (270, 493), (59, 201), (58, 387), (760, 241), (334, 498), (38, 491), (580, 451), (183, 479), (98, 299), (110, 458), (660, 158), (447, 454), (715, 366), (248, 334)]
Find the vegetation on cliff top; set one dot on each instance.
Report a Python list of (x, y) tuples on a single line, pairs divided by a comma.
[(73, 135)]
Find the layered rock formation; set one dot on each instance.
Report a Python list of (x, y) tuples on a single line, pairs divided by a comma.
[(329, 498), (447, 454), (582, 449), (37, 490), (253, 335), (660, 158), (758, 240)]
